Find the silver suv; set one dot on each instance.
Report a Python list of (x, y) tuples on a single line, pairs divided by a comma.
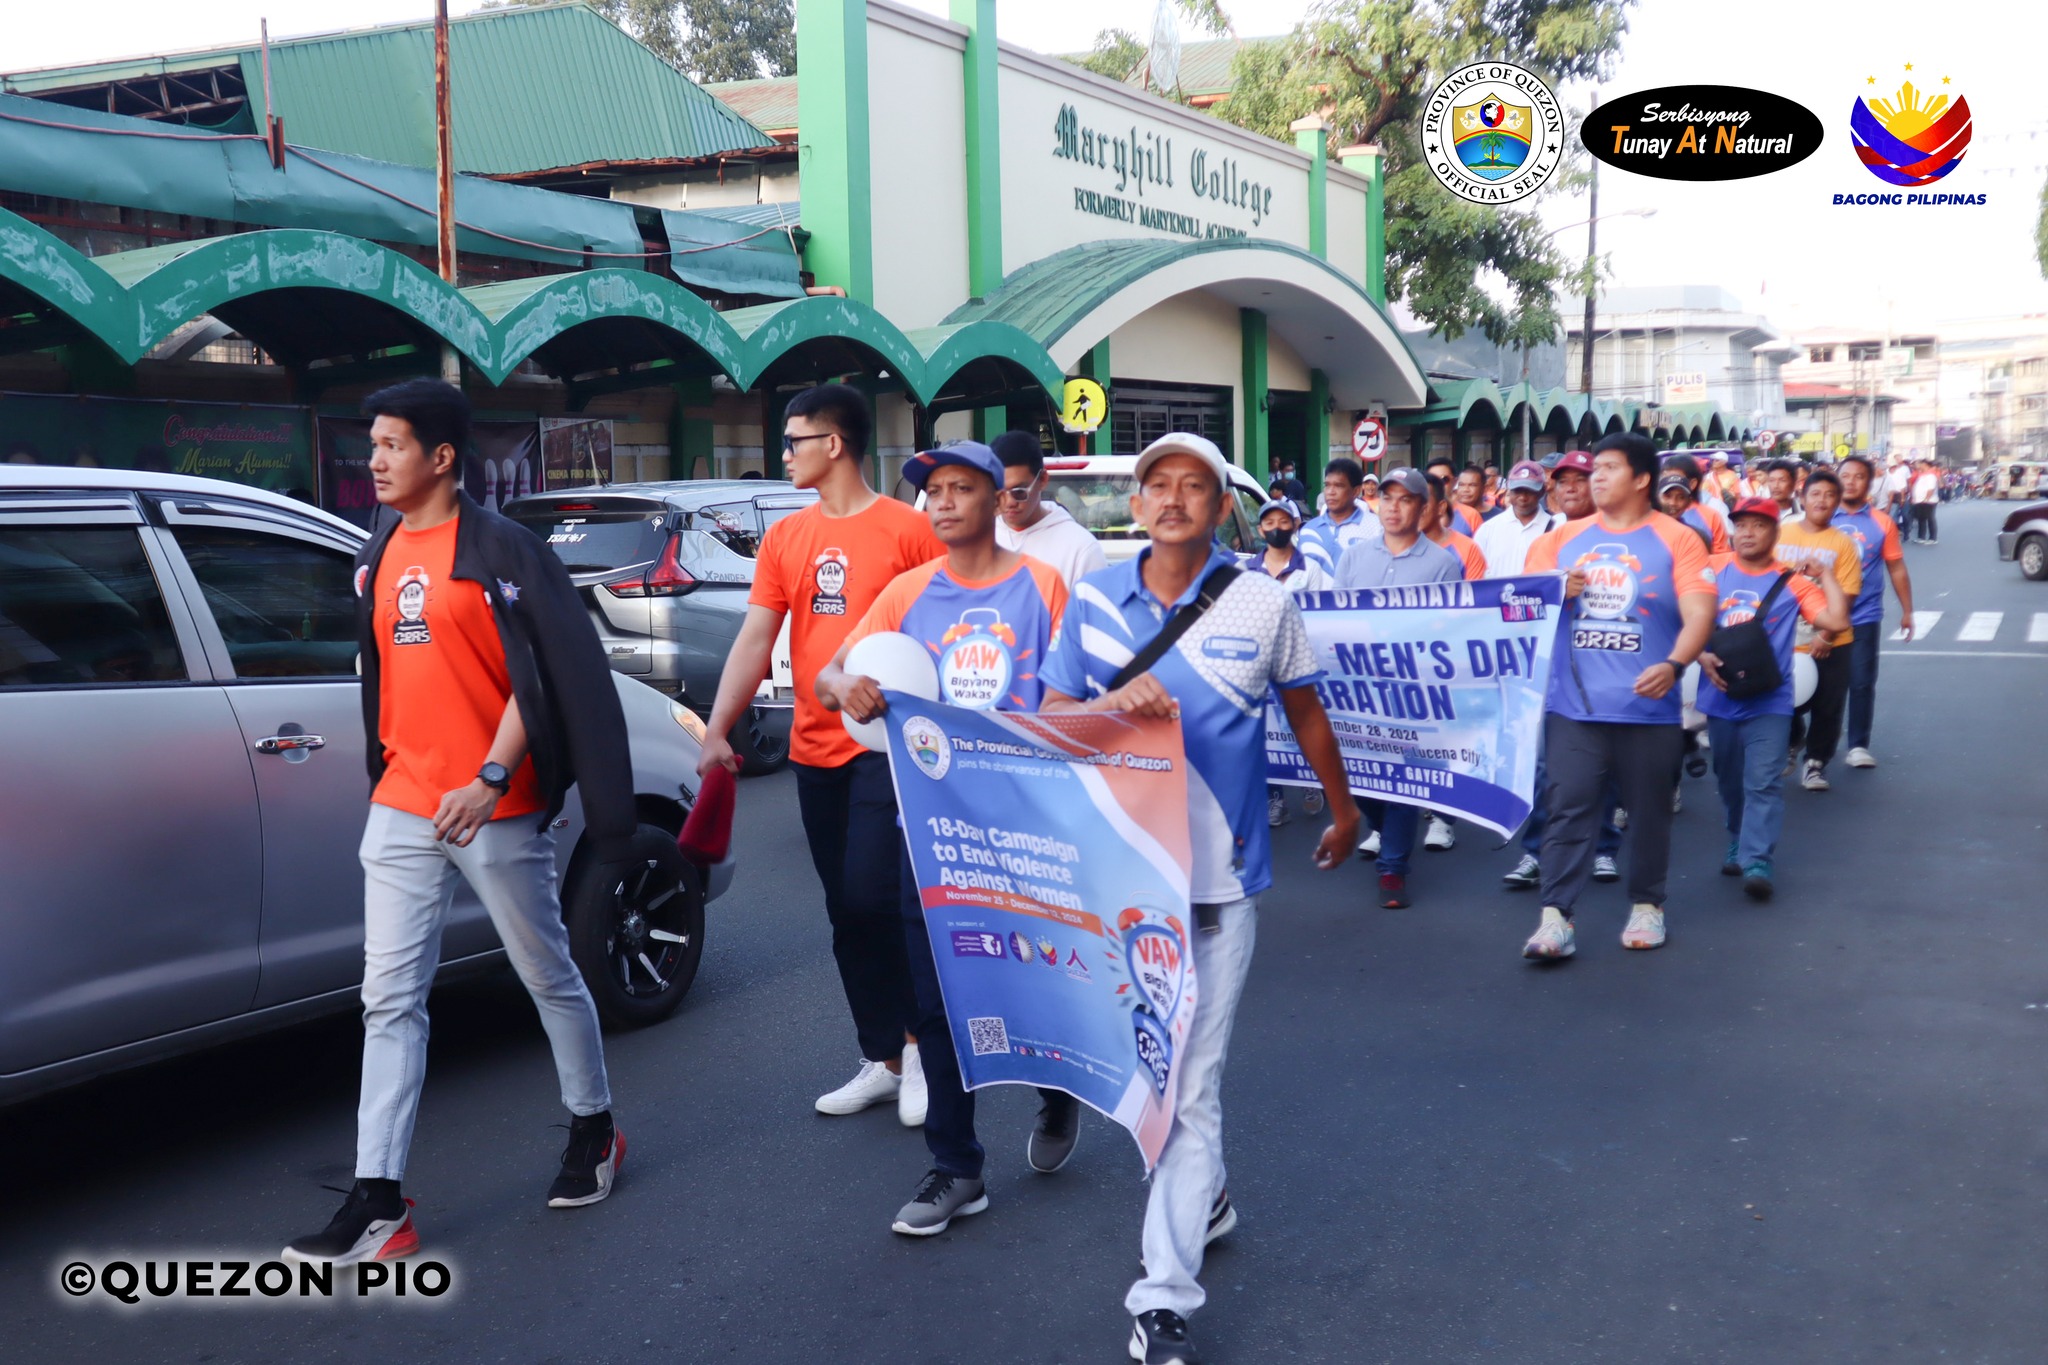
[(182, 730), (665, 569)]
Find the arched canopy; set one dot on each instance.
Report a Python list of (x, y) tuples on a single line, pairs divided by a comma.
[(605, 319), (1070, 300)]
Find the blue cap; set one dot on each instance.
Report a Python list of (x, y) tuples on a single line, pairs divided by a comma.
[(967, 454), (1284, 504)]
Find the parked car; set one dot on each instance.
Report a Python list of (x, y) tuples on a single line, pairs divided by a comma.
[(2024, 537), (665, 568), (2017, 479), (182, 739), (1096, 491)]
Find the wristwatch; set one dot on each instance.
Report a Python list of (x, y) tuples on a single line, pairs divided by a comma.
[(494, 776), (1677, 670)]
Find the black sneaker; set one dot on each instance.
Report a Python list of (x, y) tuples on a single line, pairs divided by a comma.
[(938, 1201), (363, 1229), (1054, 1135), (1160, 1337), (590, 1163)]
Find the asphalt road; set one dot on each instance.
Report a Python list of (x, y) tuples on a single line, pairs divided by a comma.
[(1811, 1131)]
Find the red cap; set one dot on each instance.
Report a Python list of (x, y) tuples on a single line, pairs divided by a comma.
[(1574, 459), (1756, 507)]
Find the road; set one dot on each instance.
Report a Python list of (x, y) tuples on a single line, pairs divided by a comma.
[(1810, 1131)]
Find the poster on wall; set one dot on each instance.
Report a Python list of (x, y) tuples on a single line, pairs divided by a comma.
[(263, 445), (503, 463), (576, 451)]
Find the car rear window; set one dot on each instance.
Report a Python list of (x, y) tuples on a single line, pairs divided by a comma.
[(589, 540), (739, 525), (1100, 502)]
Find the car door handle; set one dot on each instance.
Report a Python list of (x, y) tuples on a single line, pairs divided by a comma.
[(278, 744)]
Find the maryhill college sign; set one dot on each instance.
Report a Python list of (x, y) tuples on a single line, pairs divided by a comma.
[(1141, 159)]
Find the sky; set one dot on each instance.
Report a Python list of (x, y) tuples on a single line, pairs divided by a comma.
[(1776, 242)]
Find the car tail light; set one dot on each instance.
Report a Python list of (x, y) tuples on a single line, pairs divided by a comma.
[(1066, 464), (575, 507), (668, 577)]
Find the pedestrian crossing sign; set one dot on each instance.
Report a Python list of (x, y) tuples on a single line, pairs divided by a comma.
[(1083, 405)]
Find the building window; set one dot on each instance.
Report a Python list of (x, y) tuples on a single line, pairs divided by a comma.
[(1869, 350), (1820, 355)]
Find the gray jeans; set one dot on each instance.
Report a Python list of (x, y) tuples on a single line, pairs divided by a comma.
[(408, 885)]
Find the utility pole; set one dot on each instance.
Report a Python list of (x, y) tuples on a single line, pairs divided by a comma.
[(1592, 228), (444, 172)]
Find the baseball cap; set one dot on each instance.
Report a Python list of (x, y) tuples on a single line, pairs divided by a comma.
[(1283, 504), (1671, 481), (1580, 460), (1185, 443), (1527, 475), (967, 454), (1410, 479), (1368, 477), (1755, 507)]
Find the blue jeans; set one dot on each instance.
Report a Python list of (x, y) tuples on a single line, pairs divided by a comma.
[(1863, 683), (1190, 1171), (408, 884), (1606, 845), (1749, 765), (1398, 823)]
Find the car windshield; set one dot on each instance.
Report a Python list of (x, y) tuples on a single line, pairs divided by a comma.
[(588, 540), (1100, 502), (739, 526)]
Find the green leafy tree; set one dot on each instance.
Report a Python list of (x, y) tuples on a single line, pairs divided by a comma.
[(1367, 66), (707, 40), (1116, 54), (2041, 233)]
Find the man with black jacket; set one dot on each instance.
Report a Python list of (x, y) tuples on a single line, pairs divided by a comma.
[(485, 696)]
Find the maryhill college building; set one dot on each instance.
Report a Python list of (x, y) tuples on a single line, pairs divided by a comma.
[(647, 268)]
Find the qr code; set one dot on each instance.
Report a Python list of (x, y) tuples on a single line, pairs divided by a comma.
[(988, 1036)]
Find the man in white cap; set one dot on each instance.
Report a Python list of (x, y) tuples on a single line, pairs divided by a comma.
[(1505, 539)]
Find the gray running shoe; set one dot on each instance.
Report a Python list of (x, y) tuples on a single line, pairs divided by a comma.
[(1526, 874), (938, 1201), (1054, 1135)]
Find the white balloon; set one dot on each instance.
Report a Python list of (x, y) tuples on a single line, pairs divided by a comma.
[(1805, 677), (899, 663), (1689, 685)]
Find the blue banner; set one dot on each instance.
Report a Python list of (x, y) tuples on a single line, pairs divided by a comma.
[(1051, 854), (1435, 691)]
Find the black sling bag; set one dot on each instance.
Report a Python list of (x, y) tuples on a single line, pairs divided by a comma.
[(1749, 666)]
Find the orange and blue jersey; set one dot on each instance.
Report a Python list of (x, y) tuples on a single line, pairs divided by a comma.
[(1626, 619), (988, 639), (1737, 595), (1711, 524), (1877, 542)]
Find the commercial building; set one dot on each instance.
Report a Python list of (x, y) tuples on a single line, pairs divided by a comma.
[(1685, 344)]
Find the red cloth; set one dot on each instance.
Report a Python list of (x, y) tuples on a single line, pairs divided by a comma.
[(707, 833)]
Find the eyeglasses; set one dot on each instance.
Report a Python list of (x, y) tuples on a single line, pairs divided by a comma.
[(789, 441), (1018, 493)]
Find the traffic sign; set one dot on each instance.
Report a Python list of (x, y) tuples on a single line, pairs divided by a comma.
[(1083, 405), (1369, 437)]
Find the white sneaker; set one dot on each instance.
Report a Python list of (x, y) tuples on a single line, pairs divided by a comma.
[(911, 1096), (1862, 758), (1645, 928), (1553, 938), (1605, 869), (1276, 807), (1439, 836), (871, 1085), (1814, 778), (1620, 818), (1312, 801), (1369, 846)]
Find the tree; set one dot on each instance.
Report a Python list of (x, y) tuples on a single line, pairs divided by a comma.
[(2041, 233), (707, 40), (1368, 66), (1116, 54)]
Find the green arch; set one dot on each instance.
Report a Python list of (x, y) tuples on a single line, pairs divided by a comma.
[(947, 348), (770, 331), (48, 269), (527, 314)]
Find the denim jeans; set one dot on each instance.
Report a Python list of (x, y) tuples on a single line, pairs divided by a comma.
[(849, 816), (1863, 683), (408, 885), (1398, 823), (1749, 765), (1190, 1171), (949, 1106)]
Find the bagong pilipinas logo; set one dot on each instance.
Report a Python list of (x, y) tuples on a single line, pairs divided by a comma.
[(1492, 132), (1912, 139), (928, 746)]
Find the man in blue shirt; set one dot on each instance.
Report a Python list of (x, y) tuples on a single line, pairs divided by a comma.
[(1344, 519), (1399, 554), (1215, 678)]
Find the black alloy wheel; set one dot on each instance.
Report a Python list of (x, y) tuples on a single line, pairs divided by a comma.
[(636, 929), (761, 747)]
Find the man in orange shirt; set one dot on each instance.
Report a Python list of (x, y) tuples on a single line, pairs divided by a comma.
[(823, 568), (1438, 524), (485, 696)]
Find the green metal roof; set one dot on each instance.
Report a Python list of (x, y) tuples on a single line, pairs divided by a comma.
[(767, 103), (535, 89), (1205, 65)]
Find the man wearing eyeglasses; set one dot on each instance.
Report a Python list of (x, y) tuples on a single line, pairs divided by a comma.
[(1029, 523)]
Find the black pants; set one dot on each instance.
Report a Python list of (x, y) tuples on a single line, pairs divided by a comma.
[(1820, 720), (1923, 521), (949, 1107), (1580, 757), (849, 816)]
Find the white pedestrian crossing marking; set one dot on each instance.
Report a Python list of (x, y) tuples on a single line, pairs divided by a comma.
[(1982, 626), (1923, 625), (2037, 632)]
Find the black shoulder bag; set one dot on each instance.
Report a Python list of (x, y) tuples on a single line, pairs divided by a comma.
[(1749, 666), (1177, 625)]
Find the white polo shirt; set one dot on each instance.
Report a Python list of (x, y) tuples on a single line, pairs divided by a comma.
[(1505, 541)]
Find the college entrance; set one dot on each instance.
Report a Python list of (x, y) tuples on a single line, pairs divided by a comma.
[(1143, 410)]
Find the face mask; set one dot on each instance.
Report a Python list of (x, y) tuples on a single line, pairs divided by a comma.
[(1279, 537)]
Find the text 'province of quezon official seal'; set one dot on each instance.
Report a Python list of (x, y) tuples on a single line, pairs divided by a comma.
[(1492, 132)]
